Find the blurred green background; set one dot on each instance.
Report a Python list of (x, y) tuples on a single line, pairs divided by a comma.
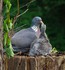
[(51, 11)]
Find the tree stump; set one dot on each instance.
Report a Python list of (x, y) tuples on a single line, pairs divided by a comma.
[(36, 63)]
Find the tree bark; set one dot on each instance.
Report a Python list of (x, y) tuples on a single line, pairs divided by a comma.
[(1, 35)]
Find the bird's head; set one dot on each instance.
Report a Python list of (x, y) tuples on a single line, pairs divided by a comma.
[(37, 21)]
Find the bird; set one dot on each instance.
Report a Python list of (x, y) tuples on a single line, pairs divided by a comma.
[(21, 41), (41, 45)]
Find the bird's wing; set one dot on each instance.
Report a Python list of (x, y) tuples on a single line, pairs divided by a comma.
[(23, 38)]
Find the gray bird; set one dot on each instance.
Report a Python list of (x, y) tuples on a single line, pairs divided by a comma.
[(22, 40), (41, 45)]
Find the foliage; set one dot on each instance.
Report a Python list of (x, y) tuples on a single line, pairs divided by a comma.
[(7, 26), (54, 50)]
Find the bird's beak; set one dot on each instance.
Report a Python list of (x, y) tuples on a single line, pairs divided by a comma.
[(41, 22)]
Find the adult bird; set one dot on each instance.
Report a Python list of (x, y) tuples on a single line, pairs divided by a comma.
[(22, 40)]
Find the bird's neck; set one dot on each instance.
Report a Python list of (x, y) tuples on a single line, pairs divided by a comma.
[(35, 28)]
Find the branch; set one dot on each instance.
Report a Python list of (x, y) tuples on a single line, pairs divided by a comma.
[(19, 27), (25, 5), (18, 6), (22, 13), (15, 18)]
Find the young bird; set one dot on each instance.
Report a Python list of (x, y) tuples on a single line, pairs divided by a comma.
[(41, 45)]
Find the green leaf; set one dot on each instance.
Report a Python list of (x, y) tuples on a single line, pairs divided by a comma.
[(9, 49), (7, 9), (10, 24), (5, 39), (5, 26), (9, 5), (54, 50)]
